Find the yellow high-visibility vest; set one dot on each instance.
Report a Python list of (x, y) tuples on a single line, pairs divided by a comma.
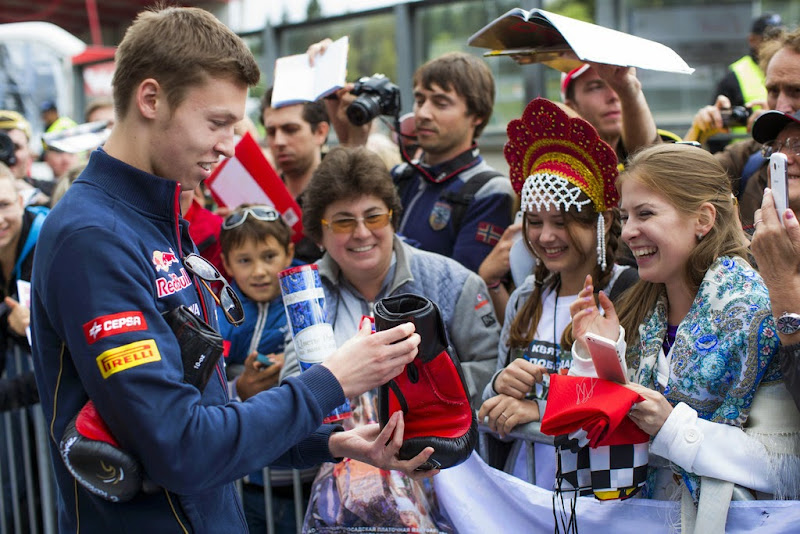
[(751, 83)]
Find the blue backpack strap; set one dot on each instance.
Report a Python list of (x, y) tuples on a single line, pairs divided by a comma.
[(754, 162), (33, 234)]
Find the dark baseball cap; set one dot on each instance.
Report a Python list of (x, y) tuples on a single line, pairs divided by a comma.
[(47, 105), (768, 125), (766, 22)]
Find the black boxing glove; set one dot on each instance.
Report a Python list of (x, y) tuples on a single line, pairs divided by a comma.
[(96, 460), (431, 390)]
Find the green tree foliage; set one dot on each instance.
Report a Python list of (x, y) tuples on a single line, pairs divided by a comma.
[(314, 10)]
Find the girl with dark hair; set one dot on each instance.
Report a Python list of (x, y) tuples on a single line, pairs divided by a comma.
[(565, 176)]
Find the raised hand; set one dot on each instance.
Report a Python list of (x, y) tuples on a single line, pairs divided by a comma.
[(586, 315)]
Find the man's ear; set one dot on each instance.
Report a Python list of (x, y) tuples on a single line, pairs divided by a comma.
[(321, 133), (570, 103), (148, 98)]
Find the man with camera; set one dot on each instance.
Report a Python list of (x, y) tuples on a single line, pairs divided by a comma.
[(746, 167), (454, 203)]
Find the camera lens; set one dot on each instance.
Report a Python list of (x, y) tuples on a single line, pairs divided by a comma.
[(365, 108), (736, 116), (7, 150)]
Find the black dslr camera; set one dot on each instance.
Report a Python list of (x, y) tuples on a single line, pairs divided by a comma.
[(736, 116), (376, 96), (7, 150)]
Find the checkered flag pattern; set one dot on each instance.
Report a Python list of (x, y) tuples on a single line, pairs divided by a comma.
[(609, 472)]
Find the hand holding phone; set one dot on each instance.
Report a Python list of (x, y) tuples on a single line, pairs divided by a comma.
[(779, 182), (264, 360), (608, 364)]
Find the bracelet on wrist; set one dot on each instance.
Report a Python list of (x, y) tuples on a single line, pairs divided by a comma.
[(495, 286)]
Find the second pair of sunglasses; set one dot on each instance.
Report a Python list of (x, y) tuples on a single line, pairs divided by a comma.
[(262, 213)]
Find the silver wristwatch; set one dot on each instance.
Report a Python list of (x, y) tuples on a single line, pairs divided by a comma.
[(788, 323)]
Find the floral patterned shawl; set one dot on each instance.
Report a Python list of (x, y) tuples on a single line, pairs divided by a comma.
[(724, 348)]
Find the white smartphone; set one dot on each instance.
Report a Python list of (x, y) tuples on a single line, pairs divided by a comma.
[(779, 182), (608, 364)]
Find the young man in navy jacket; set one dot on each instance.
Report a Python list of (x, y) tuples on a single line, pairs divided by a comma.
[(111, 260)]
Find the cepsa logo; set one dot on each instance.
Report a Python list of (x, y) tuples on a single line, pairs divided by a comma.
[(162, 260), (173, 285), (127, 356), (111, 325)]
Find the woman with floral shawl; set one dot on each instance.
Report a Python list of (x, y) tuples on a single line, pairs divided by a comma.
[(698, 336)]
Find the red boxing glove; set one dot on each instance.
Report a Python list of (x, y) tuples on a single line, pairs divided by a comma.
[(431, 390)]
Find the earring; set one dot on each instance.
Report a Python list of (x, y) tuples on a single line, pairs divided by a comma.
[(601, 242), (700, 236)]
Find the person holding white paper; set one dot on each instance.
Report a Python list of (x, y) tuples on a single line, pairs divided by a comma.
[(610, 98), (296, 135), (19, 228)]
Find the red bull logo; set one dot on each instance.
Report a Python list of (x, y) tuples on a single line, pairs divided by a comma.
[(173, 285), (162, 260)]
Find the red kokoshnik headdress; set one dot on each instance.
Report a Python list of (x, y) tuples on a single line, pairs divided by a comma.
[(547, 151)]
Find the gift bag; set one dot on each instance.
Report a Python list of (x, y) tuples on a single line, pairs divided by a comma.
[(352, 496)]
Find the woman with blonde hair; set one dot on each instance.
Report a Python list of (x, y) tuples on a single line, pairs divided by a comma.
[(697, 333)]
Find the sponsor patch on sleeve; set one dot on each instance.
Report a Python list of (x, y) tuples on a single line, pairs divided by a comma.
[(488, 320), (128, 356), (113, 324), (488, 233), (481, 302)]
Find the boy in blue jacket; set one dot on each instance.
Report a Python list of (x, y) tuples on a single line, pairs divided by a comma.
[(256, 246)]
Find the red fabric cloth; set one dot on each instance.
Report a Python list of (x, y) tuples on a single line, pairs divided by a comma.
[(600, 407)]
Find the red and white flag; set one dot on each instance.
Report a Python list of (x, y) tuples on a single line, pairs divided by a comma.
[(248, 178)]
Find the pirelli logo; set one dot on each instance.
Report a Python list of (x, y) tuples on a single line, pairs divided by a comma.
[(128, 356)]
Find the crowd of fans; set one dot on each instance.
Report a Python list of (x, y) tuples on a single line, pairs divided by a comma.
[(676, 256)]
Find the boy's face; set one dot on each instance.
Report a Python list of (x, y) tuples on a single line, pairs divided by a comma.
[(255, 266), (190, 138)]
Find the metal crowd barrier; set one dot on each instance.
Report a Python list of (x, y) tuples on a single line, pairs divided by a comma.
[(501, 453), (27, 496)]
